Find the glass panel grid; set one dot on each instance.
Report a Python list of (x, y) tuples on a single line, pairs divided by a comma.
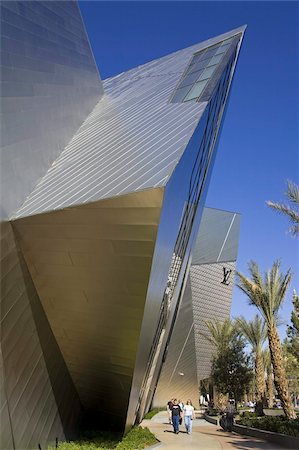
[(196, 90), (201, 69)]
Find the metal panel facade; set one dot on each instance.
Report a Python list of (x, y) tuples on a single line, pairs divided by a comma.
[(49, 83), (39, 401), (91, 268), (132, 140)]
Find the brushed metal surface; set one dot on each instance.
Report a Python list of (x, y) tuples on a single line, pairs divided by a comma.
[(132, 140), (218, 238), (49, 84), (37, 402), (91, 267)]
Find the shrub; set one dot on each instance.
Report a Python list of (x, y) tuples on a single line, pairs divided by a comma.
[(248, 415), (137, 438), (213, 412), (277, 424)]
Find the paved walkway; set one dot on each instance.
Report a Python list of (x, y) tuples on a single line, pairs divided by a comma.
[(205, 436)]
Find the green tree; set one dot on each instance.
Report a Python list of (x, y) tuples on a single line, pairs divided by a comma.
[(292, 369), (292, 210), (232, 370), (293, 330), (255, 334), (267, 295), (220, 334), (291, 349)]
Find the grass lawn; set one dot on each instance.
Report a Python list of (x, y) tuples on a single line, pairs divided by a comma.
[(137, 438)]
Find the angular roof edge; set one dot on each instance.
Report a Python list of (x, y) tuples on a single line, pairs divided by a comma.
[(199, 46)]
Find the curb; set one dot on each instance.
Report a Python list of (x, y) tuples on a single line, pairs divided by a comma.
[(211, 419), (159, 444), (291, 442)]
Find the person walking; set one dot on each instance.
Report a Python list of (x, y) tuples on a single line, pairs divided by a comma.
[(230, 412), (169, 410), (189, 416), (181, 405), (176, 413)]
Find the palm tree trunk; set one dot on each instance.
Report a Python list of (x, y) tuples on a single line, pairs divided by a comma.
[(260, 384), (220, 401), (260, 376), (280, 379), (270, 387)]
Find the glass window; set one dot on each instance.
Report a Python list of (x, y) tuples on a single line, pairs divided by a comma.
[(210, 53), (207, 73), (222, 49), (196, 67), (215, 60), (191, 78), (196, 58), (181, 93), (196, 90)]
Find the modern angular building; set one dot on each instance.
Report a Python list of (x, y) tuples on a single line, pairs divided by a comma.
[(207, 296), (103, 188)]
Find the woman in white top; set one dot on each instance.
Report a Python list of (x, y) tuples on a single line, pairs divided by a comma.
[(188, 416)]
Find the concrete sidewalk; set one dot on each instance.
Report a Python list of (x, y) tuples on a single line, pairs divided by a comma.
[(205, 436)]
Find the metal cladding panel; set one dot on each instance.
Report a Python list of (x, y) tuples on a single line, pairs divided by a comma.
[(211, 300), (132, 140), (218, 237), (49, 84), (178, 378), (91, 266), (39, 404)]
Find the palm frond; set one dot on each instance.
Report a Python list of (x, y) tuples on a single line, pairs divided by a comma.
[(265, 293), (293, 192), (254, 332), (291, 211), (220, 333)]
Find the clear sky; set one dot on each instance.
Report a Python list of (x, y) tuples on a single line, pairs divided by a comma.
[(258, 149)]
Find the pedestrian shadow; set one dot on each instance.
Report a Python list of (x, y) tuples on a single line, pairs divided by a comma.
[(171, 431)]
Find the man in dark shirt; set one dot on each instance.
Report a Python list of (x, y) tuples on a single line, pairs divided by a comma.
[(169, 409), (176, 413)]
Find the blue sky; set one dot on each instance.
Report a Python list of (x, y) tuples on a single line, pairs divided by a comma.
[(258, 149)]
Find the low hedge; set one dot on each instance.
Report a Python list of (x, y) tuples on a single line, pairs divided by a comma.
[(277, 424), (153, 412), (138, 438)]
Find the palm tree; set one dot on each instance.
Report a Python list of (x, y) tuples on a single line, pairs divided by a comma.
[(255, 333), (267, 295), (291, 211), (269, 382), (220, 334)]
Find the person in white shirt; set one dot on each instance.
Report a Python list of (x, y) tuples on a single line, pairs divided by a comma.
[(189, 415)]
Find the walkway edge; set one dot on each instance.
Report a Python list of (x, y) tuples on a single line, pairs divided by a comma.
[(158, 444), (291, 442)]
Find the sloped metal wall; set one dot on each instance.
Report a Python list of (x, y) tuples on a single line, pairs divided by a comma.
[(49, 84)]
